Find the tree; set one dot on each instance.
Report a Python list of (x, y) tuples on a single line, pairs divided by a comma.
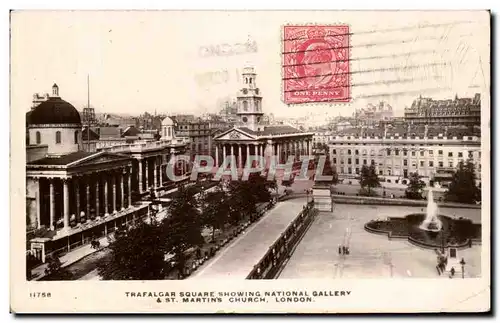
[(463, 187), (184, 224), (216, 210), (415, 187), (137, 255), (368, 178)]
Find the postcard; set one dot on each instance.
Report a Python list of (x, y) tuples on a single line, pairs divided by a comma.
[(250, 161)]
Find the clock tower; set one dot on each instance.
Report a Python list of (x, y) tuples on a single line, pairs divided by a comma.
[(250, 102)]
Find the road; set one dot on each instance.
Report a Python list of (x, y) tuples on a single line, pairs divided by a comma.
[(237, 260)]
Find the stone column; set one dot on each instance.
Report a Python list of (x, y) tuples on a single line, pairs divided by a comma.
[(37, 197), (52, 203), (155, 173), (232, 150), (240, 159), (97, 211), (309, 147), (161, 173), (87, 196), (106, 204), (114, 192), (223, 152), (77, 193), (66, 203), (216, 155), (146, 162), (248, 153), (140, 176), (122, 190), (278, 148), (129, 177)]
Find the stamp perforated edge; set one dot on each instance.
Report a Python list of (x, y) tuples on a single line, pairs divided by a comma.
[(321, 104)]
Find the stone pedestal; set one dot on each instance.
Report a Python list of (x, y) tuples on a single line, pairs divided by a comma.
[(322, 197)]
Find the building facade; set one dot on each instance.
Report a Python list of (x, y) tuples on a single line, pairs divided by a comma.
[(456, 112), (253, 136), (72, 194), (396, 156)]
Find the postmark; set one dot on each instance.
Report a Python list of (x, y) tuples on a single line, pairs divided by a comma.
[(315, 64)]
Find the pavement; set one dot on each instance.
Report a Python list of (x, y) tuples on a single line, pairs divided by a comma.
[(238, 259), (69, 258), (371, 255)]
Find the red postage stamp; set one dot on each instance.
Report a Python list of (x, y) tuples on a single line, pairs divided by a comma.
[(316, 64)]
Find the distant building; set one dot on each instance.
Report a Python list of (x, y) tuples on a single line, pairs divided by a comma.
[(460, 111), (371, 115), (198, 132)]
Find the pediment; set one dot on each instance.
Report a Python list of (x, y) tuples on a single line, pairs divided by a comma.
[(99, 158), (235, 134)]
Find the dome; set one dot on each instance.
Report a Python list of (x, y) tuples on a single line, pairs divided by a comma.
[(167, 122), (54, 111)]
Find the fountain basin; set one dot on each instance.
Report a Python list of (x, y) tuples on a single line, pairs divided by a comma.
[(452, 233)]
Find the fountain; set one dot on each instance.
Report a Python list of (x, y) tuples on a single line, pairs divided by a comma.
[(431, 221)]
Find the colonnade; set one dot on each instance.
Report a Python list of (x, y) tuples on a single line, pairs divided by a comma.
[(283, 149), (82, 195), (158, 164)]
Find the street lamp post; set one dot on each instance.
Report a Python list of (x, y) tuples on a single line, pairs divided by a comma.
[(462, 262)]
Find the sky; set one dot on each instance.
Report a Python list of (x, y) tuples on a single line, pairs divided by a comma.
[(161, 61)]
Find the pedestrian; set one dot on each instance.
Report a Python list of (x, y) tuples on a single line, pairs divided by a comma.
[(340, 249), (452, 271), (343, 250), (347, 250)]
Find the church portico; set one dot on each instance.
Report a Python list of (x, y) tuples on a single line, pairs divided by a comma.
[(253, 136)]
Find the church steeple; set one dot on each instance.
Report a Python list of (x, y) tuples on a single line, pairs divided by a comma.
[(250, 101)]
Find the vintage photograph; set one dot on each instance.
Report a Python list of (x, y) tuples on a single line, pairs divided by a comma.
[(240, 146)]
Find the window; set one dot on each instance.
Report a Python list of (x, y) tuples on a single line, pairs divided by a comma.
[(405, 153), (450, 154), (245, 106), (421, 163), (364, 161), (440, 164), (349, 161), (431, 153), (405, 162), (244, 119), (58, 137), (388, 152), (169, 132), (334, 160), (460, 154), (397, 152), (431, 163), (357, 161), (373, 162), (450, 164), (422, 153), (380, 172), (349, 170), (334, 151), (76, 137), (38, 138), (356, 152), (440, 152), (413, 153), (357, 170), (348, 151)]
